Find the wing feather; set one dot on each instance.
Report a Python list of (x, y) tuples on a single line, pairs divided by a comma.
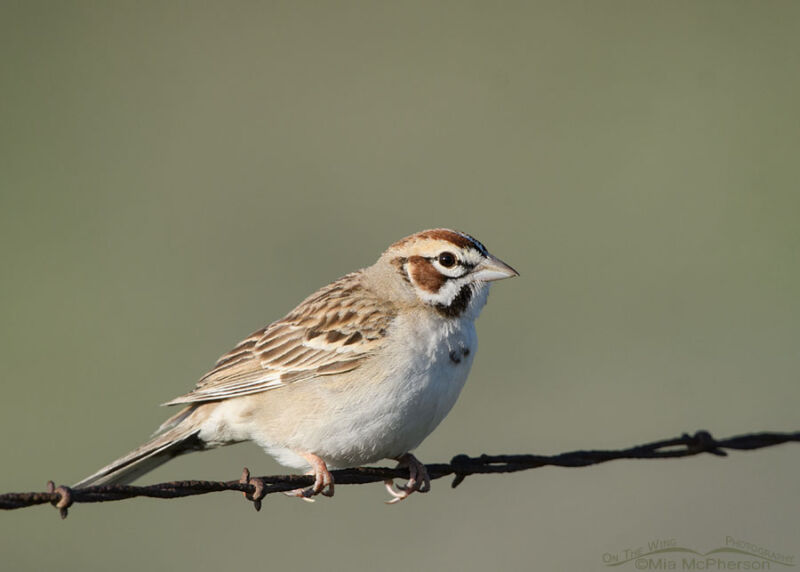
[(333, 331)]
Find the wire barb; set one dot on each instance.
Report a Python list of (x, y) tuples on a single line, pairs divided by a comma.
[(259, 489), (462, 466), (63, 500)]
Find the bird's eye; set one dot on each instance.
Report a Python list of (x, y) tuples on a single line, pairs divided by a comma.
[(447, 259)]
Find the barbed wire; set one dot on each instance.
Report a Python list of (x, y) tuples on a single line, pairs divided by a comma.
[(461, 466)]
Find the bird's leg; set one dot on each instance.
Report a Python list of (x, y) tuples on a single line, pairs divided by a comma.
[(323, 480), (418, 479)]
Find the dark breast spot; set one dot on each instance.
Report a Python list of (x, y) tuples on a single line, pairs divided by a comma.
[(457, 355)]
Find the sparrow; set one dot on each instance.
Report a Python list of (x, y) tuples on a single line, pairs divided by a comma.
[(364, 369)]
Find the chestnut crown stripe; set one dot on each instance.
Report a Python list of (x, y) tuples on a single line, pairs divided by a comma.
[(457, 238)]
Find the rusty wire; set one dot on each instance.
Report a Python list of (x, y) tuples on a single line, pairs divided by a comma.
[(256, 488)]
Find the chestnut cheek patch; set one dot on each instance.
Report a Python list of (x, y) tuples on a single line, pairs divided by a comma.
[(424, 274)]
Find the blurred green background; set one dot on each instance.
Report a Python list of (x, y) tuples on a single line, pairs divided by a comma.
[(174, 175)]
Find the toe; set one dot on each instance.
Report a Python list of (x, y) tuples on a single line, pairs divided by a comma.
[(323, 480), (397, 495), (418, 479)]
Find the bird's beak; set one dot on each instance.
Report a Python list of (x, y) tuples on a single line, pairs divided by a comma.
[(493, 269)]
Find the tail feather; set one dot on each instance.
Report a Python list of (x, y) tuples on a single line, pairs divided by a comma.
[(182, 438)]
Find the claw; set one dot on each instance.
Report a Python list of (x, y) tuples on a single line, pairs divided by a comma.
[(418, 479), (323, 480)]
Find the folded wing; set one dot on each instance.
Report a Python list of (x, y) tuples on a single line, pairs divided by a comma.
[(332, 331)]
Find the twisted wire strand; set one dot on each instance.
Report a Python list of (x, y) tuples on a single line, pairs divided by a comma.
[(461, 466)]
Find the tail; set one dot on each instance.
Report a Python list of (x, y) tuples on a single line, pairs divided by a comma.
[(179, 436)]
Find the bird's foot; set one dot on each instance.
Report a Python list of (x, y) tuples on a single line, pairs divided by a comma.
[(323, 480), (418, 479)]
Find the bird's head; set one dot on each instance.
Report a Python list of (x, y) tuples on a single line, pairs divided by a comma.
[(446, 270)]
